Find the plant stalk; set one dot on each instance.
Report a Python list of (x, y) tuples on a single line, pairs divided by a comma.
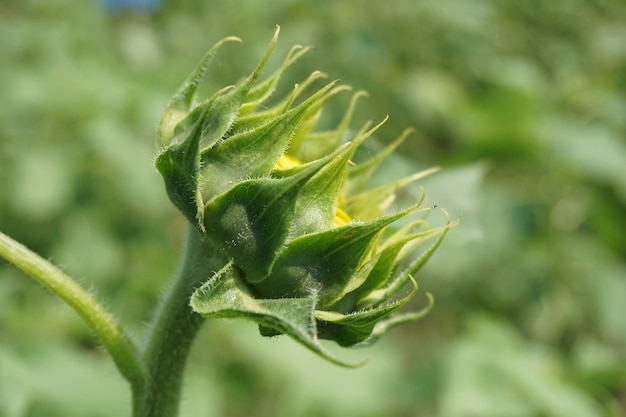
[(100, 321), (173, 331)]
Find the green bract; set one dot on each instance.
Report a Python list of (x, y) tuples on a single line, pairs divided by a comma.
[(307, 252)]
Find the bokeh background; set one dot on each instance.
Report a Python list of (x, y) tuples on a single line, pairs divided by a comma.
[(522, 103)]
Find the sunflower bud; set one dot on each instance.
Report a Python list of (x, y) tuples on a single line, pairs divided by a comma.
[(307, 250)]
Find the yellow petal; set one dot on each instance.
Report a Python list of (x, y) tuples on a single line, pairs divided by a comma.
[(341, 217), (287, 161)]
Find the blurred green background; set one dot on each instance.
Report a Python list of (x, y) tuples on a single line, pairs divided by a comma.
[(522, 103)]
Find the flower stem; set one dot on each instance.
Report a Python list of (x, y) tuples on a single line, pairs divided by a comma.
[(173, 331), (101, 322)]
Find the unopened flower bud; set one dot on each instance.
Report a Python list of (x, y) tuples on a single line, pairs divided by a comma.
[(307, 250)]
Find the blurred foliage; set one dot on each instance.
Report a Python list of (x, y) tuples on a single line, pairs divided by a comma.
[(522, 103)]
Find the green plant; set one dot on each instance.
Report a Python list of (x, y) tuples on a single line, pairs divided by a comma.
[(282, 231)]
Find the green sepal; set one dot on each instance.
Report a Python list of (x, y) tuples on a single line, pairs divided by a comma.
[(353, 328), (400, 278), (251, 221), (250, 121), (386, 260), (183, 134), (408, 229), (317, 202), (416, 265), (373, 203), (182, 101), (323, 262), (263, 90), (251, 154), (376, 272), (224, 108), (380, 272), (394, 320), (179, 165), (318, 144), (309, 122), (225, 296), (359, 175)]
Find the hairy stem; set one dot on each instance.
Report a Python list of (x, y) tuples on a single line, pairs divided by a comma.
[(107, 329), (174, 330)]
